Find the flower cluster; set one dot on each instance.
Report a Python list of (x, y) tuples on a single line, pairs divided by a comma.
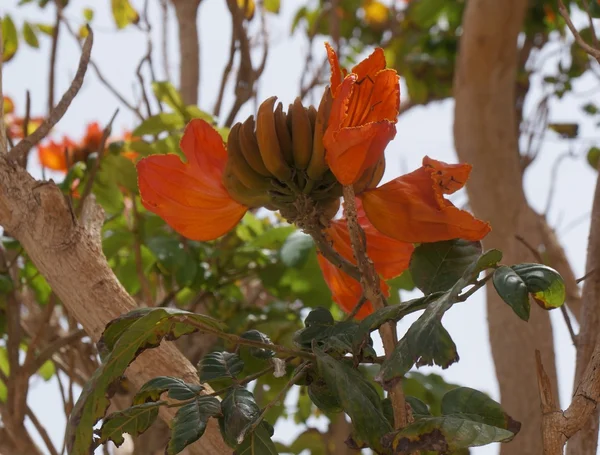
[(297, 163)]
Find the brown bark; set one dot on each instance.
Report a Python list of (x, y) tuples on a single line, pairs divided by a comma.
[(186, 12), (68, 253), (585, 441), (485, 136)]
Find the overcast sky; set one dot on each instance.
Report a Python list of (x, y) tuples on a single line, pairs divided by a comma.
[(421, 131)]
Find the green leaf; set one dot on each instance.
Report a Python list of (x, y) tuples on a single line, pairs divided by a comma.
[(4, 368), (469, 419), (88, 14), (565, 130), (166, 93), (219, 365), (513, 290), (117, 327), (419, 409), (10, 39), (272, 6), (123, 13), (255, 335), (145, 332), (390, 313), (46, 29), (425, 343), (593, 156), (319, 316), (239, 411), (311, 440), (402, 282), (358, 398), (30, 35), (296, 249), (156, 124), (134, 420), (257, 442), (323, 397), (190, 423), (437, 266), (544, 284), (177, 389)]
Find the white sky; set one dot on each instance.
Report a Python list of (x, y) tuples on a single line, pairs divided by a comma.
[(421, 131)]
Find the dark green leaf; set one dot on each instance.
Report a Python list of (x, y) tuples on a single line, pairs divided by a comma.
[(30, 35), (513, 290), (425, 343), (565, 130), (419, 409), (134, 420), (389, 313), (590, 108), (117, 327), (470, 418), (145, 333), (219, 365), (165, 121), (177, 390), (123, 13), (544, 284), (319, 316), (296, 249), (323, 397), (239, 410), (255, 335), (437, 266), (190, 422), (257, 442), (10, 39), (358, 398)]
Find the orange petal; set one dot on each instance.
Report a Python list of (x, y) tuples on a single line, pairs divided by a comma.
[(370, 66), (411, 208), (346, 291), (385, 100), (389, 256), (350, 151), (54, 155), (190, 196), (336, 72), (93, 137)]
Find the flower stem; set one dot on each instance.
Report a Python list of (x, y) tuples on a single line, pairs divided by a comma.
[(369, 279)]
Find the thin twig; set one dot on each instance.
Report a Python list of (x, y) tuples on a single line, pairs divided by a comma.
[(564, 12), (356, 308), (234, 339), (94, 171), (23, 147), (41, 331), (567, 319), (53, 53), (278, 398), (534, 251), (586, 6), (54, 347), (244, 381), (369, 280), (165, 38), (331, 255), (587, 275), (26, 124), (41, 431), (101, 77)]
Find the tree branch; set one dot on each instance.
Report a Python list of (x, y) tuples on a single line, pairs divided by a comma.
[(23, 147)]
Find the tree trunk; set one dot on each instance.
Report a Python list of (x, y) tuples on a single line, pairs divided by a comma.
[(485, 136), (68, 253), (585, 441), (189, 49)]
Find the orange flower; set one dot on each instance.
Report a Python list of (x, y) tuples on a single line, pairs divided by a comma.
[(390, 257), (363, 115), (190, 196), (412, 208), (58, 156)]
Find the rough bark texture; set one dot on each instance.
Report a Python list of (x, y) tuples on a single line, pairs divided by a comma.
[(485, 136), (585, 441), (189, 49), (68, 253)]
